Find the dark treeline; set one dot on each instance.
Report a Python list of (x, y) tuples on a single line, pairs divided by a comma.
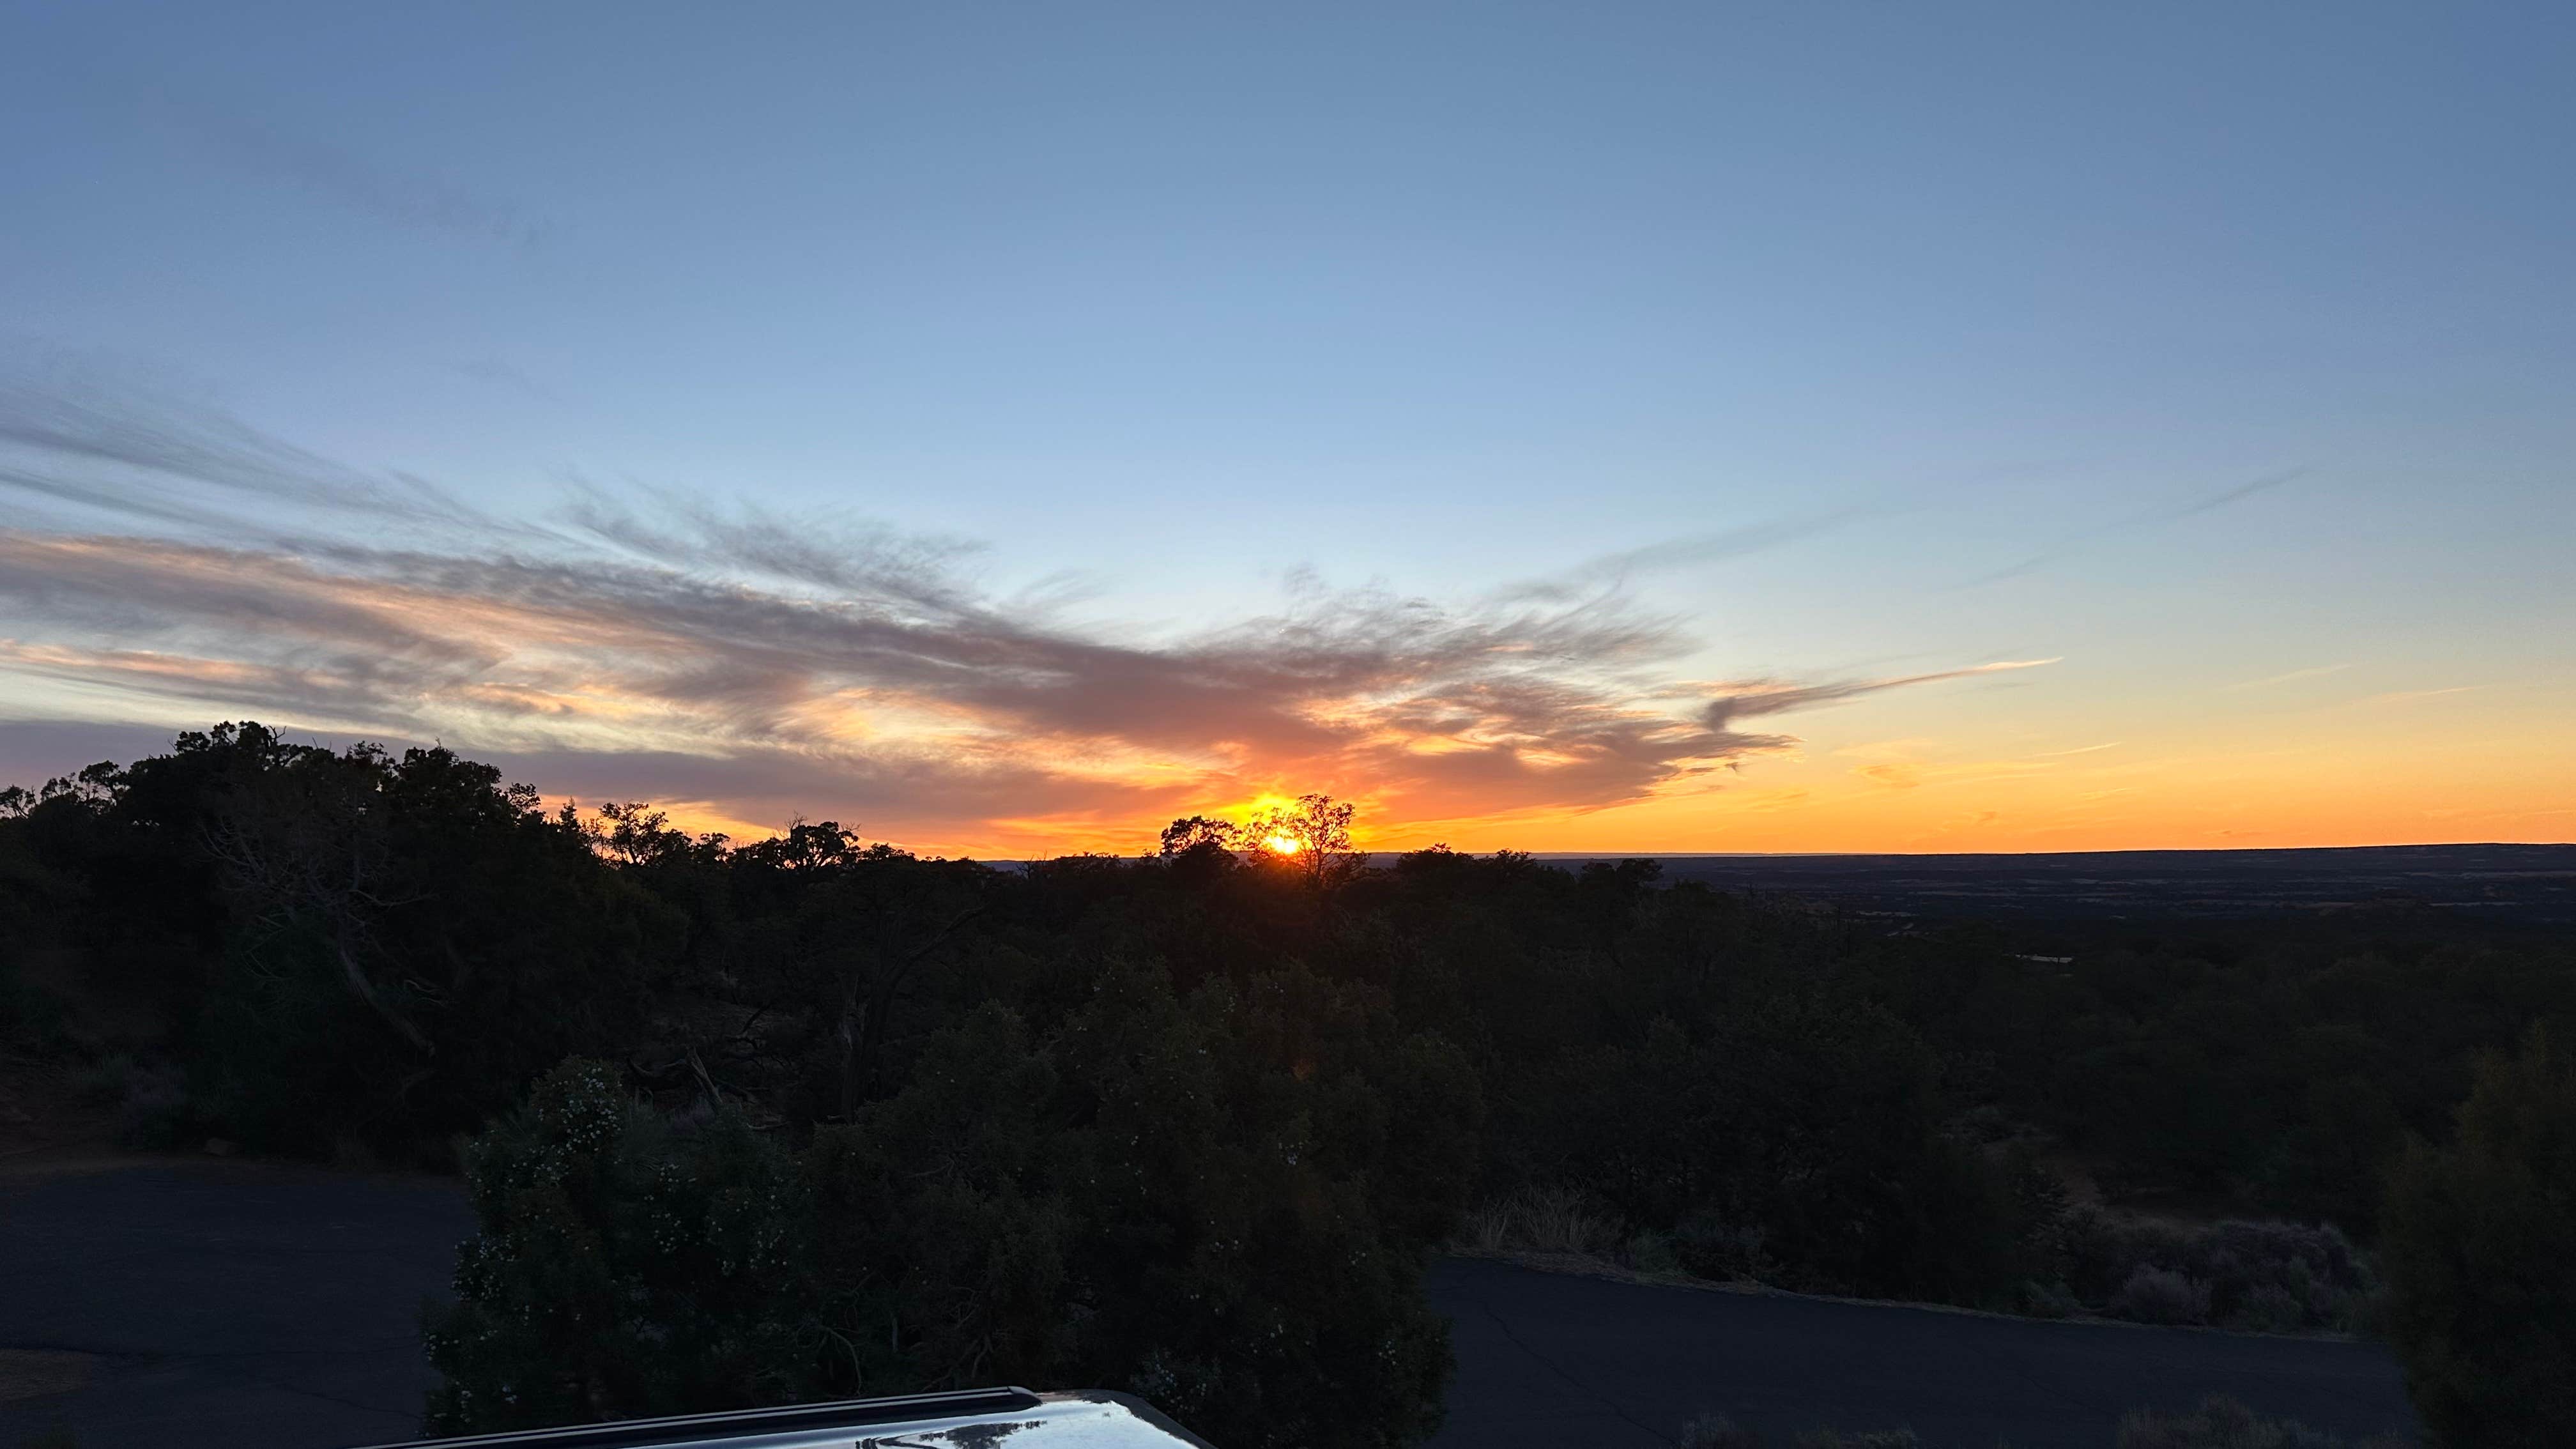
[(809, 1116)]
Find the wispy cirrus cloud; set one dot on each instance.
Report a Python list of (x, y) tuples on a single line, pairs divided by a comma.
[(2411, 696), (2144, 518), (417, 200), (2293, 676), (1755, 698), (652, 645), (159, 459), (1616, 569)]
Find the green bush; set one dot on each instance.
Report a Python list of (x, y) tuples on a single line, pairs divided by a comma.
[(2160, 1295), (2480, 1249), (1710, 1247), (337, 949), (622, 1269), (1147, 1198), (1801, 1141), (2274, 1277), (1207, 1201)]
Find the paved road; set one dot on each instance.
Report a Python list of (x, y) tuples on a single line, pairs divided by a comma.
[(1548, 1359), (236, 1306), (242, 1306)]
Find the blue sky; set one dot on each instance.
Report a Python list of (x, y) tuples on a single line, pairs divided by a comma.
[(1854, 342)]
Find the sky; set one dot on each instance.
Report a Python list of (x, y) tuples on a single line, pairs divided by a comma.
[(1620, 428)]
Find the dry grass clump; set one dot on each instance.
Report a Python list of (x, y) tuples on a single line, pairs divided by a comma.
[(1716, 1431), (1540, 1220), (2223, 1423), (2269, 1276)]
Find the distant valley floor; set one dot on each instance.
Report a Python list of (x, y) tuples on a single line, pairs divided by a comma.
[(2531, 885)]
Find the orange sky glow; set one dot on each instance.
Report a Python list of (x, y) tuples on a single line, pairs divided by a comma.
[(945, 724)]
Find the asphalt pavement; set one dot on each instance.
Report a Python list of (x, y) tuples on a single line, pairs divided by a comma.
[(1555, 1359), (227, 1305)]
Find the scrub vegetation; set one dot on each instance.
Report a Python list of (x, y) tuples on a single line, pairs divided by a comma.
[(753, 1122)]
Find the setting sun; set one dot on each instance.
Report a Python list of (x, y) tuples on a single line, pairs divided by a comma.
[(1281, 844)]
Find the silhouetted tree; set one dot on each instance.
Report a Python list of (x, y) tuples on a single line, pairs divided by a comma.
[(621, 1269), (345, 948), (2480, 1253), (1317, 826), (1220, 1202), (1199, 833)]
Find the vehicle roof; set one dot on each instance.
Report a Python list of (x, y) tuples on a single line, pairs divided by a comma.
[(968, 1419)]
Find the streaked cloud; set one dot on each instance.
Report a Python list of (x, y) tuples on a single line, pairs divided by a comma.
[(1615, 570), (74, 439), (416, 200), (1755, 698), (654, 645), (2145, 518), (1894, 774), (2412, 696), (2319, 671)]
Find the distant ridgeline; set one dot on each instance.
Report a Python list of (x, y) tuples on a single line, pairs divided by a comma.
[(2530, 884), (2520, 884)]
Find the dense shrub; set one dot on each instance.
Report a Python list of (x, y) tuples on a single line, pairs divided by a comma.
[(2276, 1277), (1710, 1247), (2159, 1295), (1553, 1220), (622, 1269), (1148, 1196), (1803, 1141), (340, 949), (2481, 1259)]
